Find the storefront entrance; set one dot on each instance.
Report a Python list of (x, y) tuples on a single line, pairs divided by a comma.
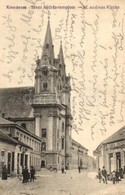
[(118, 160)]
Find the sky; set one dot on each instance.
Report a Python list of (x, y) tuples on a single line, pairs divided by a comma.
[(92, 35)]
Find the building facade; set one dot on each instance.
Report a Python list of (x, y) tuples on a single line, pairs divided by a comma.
[(52, 106), (111, 152), (79, 156), (44, 111), (18, 147)]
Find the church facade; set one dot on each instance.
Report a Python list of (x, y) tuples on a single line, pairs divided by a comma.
[(45, 109)]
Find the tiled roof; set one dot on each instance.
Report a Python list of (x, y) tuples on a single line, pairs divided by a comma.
[(7, 138), (117, 136), (78, 144), (12, 102)]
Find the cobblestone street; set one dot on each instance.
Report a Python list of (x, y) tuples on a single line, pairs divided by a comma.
[(71, 183)]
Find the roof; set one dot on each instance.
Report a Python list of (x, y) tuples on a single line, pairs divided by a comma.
[(5, 122), (78, 144), (7, 138), (13, 102), (115, 137)]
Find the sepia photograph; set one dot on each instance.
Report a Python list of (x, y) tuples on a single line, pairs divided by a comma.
[(62, 97)]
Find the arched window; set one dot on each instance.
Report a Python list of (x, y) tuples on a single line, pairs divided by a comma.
[(43, 146), (63, 143)]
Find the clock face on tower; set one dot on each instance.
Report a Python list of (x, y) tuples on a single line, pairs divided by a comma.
[(45, 71)]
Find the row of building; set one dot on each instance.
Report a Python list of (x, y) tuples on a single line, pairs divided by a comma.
[(19, 147)]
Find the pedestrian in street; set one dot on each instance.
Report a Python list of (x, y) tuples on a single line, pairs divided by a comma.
[(4, 173), (104, 175), (113, 177), (65, 170), (62, 168), (121, 172), (32, 172), (79, 169), (117, 176), (99, 175), (25, 175)]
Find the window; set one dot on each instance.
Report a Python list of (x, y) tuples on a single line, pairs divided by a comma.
[(45, 86), (62, 143), (62, 126), (43, 146), (43, 133)]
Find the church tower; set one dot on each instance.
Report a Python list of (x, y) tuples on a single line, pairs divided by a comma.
[(52, 106)]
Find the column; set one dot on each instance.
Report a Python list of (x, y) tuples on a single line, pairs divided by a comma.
[(38, 84), (37, 125), (28, 160), (122, 159), (15, 162), (50, 133), (113, 164)]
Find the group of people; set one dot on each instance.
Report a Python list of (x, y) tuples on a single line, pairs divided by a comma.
[(28, 176), (115, 175)]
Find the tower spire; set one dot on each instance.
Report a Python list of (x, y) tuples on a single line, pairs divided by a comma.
[(61, 56), (48, 48)]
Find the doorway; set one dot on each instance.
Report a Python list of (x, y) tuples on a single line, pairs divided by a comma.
[(9, 163), (118, 160), (43, 164)]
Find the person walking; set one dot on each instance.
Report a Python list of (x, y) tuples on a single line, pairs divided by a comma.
[(99, 175), (117, 176), (62, 168), (79, 169), (113, 177), (25, 175), (104, 174), (32, 172)]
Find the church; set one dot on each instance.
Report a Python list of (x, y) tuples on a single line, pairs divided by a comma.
[(45, 111)]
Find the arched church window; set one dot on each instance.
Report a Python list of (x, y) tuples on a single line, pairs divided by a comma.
[(62, 143), (43, 146), (43, 133)]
